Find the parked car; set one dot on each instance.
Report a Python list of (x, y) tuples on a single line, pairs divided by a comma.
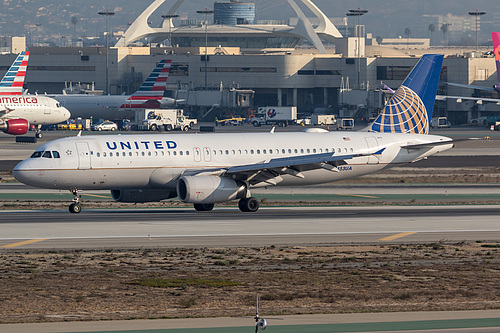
[(104, 126)]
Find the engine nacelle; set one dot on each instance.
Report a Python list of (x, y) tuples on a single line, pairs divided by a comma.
[(142, 195), (15, 126), (209, 189), (497, 87)]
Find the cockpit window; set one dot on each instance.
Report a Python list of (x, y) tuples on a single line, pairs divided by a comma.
[(58, 105), (55, 154), (37, 154), (47, 154)]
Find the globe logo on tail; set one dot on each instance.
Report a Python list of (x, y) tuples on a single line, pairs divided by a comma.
[(405, 113)]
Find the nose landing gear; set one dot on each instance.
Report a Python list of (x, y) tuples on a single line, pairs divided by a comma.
[(75, 206)]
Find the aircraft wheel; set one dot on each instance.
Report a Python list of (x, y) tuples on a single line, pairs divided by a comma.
[(249, 205), (203, 207), (75, 208), (38, 135)]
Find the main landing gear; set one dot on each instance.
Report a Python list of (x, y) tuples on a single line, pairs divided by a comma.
[(75, 206), (248, 204)]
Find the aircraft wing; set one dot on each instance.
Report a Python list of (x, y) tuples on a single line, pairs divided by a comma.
[(459, 99), (471, 87), (270, 171), (438, 143)]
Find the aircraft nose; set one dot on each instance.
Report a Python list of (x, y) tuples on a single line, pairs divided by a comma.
[(22, 172), (65, 113)]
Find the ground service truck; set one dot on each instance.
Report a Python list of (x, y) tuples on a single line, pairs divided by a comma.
[(275, 115)]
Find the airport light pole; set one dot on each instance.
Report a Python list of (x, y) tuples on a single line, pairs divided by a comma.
[(170, 17), (206, 12), (476, 14), (358, 12), (107, 14)]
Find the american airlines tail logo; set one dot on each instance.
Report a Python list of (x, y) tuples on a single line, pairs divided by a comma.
[(151, 91), (12, 82), (405, 113)]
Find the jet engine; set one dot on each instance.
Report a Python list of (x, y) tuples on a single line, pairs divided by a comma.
[(497, 87), (15, 126), (209, 189), (142, 195)]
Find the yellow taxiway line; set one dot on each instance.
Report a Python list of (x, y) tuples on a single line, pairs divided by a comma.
[(30, 241), (396, 236)]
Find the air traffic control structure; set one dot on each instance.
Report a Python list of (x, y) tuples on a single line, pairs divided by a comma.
[(236, 28)]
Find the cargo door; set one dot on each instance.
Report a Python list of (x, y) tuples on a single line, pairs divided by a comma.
[(372, 145)]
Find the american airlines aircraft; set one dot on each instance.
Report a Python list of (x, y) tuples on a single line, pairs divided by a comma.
[(20, 111), (204, 169), (149, 96)]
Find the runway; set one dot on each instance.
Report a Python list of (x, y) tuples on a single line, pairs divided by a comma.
[(228, 227)]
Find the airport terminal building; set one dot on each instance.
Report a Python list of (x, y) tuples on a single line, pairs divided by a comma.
[(309, 66)]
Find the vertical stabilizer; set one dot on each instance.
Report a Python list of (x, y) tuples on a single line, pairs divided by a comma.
[(495, 36), (12, 82), (410, 108), (152, 88)]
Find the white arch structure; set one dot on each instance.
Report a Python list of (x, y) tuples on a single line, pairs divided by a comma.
[(326, 29)]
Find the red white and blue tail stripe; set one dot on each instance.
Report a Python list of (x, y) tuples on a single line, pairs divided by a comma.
[(12, 82), (151, 91)]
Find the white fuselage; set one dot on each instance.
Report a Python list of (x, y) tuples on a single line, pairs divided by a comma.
[(113, 107), (37, 110), (158, 160)]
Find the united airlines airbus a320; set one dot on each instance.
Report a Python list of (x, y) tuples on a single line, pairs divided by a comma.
[(204, 169)]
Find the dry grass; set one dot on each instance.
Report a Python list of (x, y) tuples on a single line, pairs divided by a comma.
[(97, 285)]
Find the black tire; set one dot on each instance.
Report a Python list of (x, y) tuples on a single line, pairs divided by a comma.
[(203, 207), (168, 127), (249, 205), (38, 135), (241, 205), (75, 208), (153, 127), (185, 128), (113, 129), (255, 124)]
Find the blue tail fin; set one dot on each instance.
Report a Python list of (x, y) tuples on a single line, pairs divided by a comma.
[(410, 109)]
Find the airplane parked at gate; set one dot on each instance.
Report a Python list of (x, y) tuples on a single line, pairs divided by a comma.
[(495, 36), (204, 169), (20, 111), (148, 96)]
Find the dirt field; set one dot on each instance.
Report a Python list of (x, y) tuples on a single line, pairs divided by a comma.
[(41, 286), (168, 283)]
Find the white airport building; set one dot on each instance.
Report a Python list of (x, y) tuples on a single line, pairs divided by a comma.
[(309, 65)]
